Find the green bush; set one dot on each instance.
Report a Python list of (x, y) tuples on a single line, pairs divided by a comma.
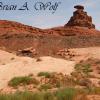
[(93, 90), (58, 85), (66, 94), (22, 96), (45, 74), (61, 94), (83, 68), (87, 69), (45, 87), (26, 80), (49, 96)]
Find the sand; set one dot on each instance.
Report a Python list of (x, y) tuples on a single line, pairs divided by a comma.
[(12, 66)]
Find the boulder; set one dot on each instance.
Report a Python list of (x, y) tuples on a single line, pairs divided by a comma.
[(29, 52)]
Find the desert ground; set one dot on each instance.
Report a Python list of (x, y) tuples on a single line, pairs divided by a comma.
[(12, 65)]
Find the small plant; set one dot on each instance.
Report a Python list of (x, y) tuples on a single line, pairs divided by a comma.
[(58, 84), (87, 69), (66, 94), (78, 67), (94, 90), (26, 80), (61, 94), (49, 96), (45, 87), (83, 69), (22, 96), (45, 74), (35, 81)]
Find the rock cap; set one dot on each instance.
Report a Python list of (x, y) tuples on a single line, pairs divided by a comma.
[(79, 7)]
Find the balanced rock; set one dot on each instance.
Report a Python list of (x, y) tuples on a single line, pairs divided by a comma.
[(80, 18), (79, 7)]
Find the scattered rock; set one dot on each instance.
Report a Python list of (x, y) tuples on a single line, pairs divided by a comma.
[(66, 53), (30, 52), (38, 59), (85, 82)]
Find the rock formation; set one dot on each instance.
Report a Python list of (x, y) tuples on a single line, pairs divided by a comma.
[(30, 52), (18, 37), (80, 18)]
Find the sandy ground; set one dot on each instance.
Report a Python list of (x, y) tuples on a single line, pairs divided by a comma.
[(11, 66), (85, 53)]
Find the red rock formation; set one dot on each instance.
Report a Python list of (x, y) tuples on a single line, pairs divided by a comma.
[(80, 18), (11, 28), (16, 36)]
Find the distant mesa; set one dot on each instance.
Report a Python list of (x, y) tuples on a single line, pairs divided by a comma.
[(80, 18)]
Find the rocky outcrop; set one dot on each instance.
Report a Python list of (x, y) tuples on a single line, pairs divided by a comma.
[(15, 36), (80, 18), (66, 53), (30, 52)]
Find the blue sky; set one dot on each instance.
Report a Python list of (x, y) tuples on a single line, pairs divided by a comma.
[(45, 19)]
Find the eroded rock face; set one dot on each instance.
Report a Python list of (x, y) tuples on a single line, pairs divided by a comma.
[(80, 18)]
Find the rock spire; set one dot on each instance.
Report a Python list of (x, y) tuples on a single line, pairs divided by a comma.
[(80, 18)]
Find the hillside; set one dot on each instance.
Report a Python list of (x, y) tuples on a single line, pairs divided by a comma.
[(78, 32)]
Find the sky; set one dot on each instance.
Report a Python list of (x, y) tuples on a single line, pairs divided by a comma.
[(47, 19)]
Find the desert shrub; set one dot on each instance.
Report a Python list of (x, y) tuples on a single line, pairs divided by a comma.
[(66, 94), (70, 81), (35, 81), (83, 68), (81, 97), (49, 96), (22, 96), (78, 67), (93, 90), (58, 84), (28, 96), (45, 74), (87, 69), (45, 87), (61, 94), (25, 80)]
